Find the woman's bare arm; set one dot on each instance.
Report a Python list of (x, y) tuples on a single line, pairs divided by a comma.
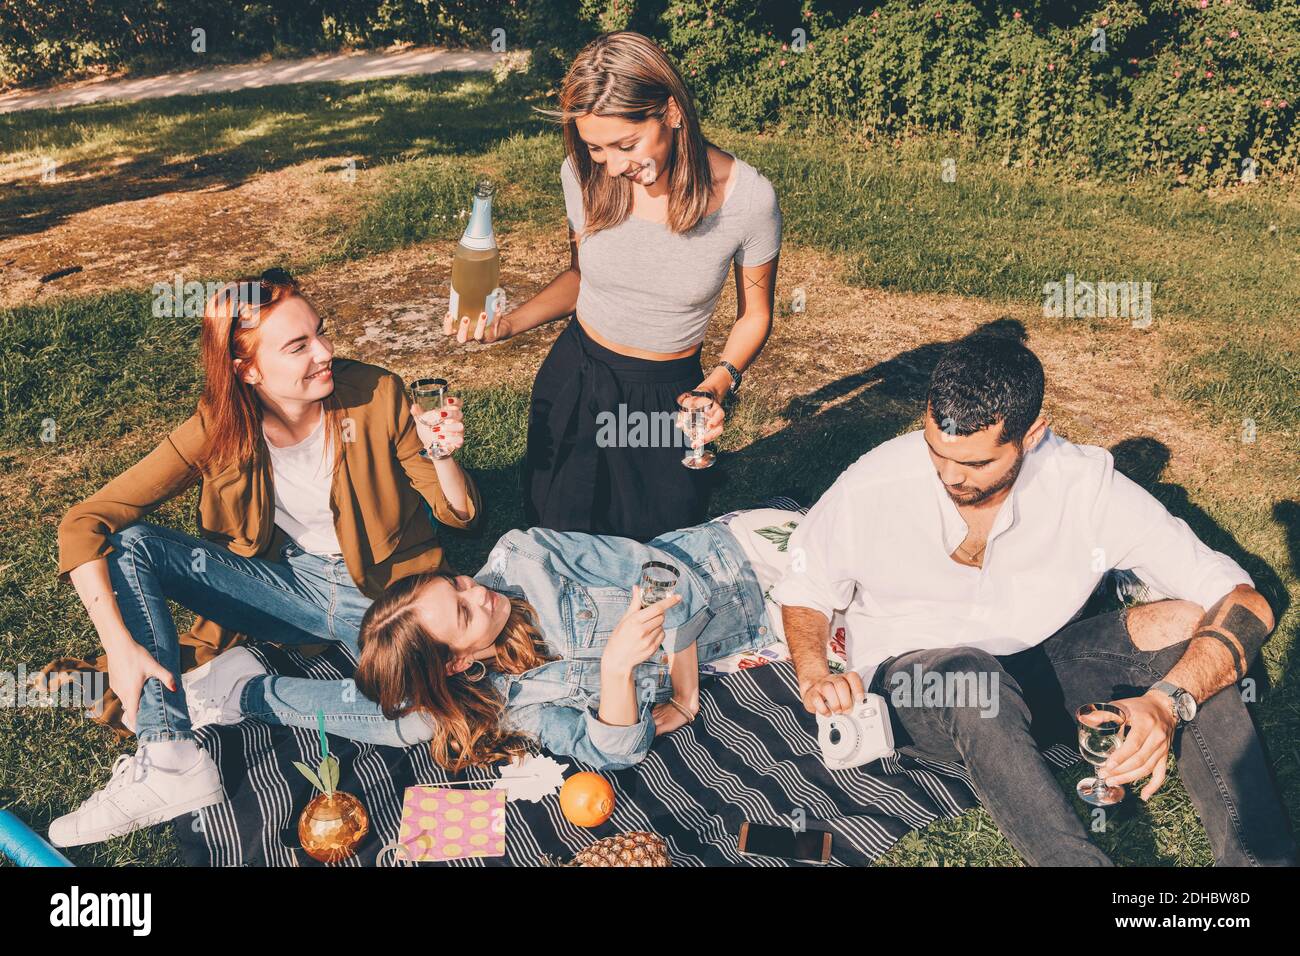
[(558, 299)]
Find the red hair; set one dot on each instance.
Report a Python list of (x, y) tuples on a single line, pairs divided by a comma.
[(232, 331)]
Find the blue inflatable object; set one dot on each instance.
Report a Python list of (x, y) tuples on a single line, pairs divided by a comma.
[(24, 846)]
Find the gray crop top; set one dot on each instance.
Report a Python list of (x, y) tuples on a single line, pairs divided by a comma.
[(646, 287)]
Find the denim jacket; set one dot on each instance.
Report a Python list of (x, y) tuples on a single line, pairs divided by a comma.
[(580, 585)]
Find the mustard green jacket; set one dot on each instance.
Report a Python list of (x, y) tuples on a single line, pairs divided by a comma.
[(378, 494)]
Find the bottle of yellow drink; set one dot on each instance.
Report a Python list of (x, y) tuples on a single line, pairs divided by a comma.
[(476, 267)]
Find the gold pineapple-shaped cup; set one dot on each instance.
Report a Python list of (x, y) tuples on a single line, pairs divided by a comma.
[(333, 823)]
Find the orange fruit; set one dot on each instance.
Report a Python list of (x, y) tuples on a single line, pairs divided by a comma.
[(587, 799)]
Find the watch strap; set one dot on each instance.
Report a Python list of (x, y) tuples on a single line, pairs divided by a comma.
[(1173, 692), (733, 372)]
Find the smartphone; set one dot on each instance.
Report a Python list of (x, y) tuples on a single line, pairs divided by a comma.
[(810, 846)]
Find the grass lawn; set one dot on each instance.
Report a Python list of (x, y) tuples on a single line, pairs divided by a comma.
[(1203, 406)]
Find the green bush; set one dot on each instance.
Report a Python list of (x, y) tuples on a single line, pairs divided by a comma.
[(1202, 89)]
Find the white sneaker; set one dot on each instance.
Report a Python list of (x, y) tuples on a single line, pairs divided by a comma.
[(139, 795), (211, 690)]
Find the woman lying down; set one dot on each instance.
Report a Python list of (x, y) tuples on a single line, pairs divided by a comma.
[(548, 642)]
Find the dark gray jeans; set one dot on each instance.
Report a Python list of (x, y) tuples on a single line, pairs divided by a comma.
[(1220, 757)]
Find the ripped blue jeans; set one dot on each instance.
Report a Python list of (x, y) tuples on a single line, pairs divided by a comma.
[(303, 598)]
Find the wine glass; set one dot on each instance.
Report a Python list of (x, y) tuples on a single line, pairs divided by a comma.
[(657, 582), (429, 394), (1101, 732), (694, 410)]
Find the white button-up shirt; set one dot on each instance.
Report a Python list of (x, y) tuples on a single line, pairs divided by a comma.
[(877, 545)]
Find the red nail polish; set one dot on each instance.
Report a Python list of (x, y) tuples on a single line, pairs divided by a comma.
[(443, 414)]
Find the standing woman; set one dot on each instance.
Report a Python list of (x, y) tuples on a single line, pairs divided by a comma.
[(658, 214), (316, 495)]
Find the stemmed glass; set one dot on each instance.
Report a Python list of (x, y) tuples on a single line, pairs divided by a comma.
[(694, 410), (657, 582), (429, 394), (1101, 732)]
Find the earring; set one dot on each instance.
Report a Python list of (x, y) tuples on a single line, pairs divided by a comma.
[(479, 674)]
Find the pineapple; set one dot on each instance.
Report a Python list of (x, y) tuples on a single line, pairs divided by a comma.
[(637, 848)]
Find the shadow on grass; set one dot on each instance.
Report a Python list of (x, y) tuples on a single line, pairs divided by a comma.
[(832, 427), (228, 138)]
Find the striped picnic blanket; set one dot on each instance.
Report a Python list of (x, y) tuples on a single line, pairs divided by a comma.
[(752, 755)]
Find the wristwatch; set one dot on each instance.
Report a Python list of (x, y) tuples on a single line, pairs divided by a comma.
[(1184, 703), (734, 373)]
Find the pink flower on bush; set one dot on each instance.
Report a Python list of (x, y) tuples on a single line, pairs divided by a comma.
[(1281, 104), (1204, 4), (784, 47), (1016, 15), (1232, 89), (1051, 67), (1268, 104), (1105, 21), (1234, 34), (1209, 74), (1201, 128), (1177, 74), (783, 62)]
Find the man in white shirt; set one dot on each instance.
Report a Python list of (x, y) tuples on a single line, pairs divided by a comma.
[(962, 553)]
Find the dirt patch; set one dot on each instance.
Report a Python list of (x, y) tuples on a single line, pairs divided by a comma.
[(204, 230)]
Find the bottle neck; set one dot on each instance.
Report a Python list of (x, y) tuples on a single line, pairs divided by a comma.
[(478, 232)]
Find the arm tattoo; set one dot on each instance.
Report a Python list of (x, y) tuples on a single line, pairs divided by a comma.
[(1237, 627), (755, 282)]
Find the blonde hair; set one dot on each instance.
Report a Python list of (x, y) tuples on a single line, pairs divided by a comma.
[(627, 75)]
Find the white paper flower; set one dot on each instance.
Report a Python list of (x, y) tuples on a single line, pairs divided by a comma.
[(531, 778)]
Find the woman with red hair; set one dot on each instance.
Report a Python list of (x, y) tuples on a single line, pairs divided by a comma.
[(316, 490)]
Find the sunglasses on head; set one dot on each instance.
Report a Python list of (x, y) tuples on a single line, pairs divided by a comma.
[(253, 292)]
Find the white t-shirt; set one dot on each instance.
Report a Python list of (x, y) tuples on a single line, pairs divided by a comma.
[(302, 492), (877, 545)]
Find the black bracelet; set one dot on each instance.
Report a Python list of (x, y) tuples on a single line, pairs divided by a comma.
[(734, 373)]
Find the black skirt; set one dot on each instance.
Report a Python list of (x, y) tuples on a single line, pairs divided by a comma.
[(588, 467)]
